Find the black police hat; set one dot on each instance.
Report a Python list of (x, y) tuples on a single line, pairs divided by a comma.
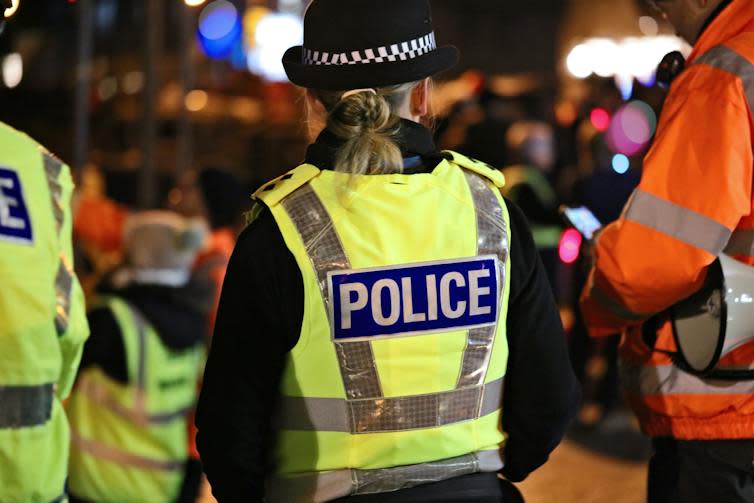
[(350, 44)]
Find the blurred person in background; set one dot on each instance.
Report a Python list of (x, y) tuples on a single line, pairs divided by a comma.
[(694, 203), (97, 228), (42, 317), (299, 405), (137, 383), (605, 192), (531, 147), (219, 197)]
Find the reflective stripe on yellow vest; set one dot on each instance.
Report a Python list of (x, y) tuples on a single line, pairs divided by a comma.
[(129, 442), (42, 326), (365, 415)]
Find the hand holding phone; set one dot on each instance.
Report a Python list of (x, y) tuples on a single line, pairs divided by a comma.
[(582, 219)]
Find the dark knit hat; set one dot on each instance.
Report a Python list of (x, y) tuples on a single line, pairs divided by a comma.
[(366, 43), (224, 196)]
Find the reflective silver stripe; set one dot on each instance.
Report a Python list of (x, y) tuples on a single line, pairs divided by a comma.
[(390, 414), (326, 253), (64, 278), (141, 331), (326, 486), (138, 415), (492, 239), (741, 243), (366, 410), (25, 406), (613, 305), (53, 169), (124, 458), (670, 380), (63, 288), (675, 221), (726, 59)]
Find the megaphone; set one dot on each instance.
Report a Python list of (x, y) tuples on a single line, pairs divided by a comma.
[(716, 320)]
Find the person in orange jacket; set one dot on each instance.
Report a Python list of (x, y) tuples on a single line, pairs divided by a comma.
[(695, 201)]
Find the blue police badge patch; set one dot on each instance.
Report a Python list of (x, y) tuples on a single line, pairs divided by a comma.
[(414, 299), (15, 224)]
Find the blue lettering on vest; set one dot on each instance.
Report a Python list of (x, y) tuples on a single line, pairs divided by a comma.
[(15, 224), (414, 299)]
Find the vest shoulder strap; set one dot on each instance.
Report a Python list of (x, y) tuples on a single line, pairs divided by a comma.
[(480, 168), (275, 191)]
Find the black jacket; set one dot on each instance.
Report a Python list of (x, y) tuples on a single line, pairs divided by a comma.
[(259, 321)]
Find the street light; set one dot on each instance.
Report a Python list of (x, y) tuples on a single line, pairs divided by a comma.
[(13, 8)]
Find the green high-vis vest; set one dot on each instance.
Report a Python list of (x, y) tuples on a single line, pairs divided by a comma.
[(545, 236), (42, 320), (130, 441), (397, 377)]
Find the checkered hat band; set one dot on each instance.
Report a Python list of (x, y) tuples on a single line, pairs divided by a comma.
[(402, 51)]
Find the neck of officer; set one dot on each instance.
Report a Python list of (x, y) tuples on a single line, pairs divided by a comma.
[(711, 18)]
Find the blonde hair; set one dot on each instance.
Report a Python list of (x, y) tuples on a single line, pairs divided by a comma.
[(368, 124)]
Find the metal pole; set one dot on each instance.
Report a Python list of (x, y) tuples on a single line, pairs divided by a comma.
[(154, 30), (83, 84), (183, 148)]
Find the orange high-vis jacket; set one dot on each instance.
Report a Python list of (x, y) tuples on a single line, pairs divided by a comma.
[(694, 202)]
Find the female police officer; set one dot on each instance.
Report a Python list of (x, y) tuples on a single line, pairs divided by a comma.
[(382, 300)]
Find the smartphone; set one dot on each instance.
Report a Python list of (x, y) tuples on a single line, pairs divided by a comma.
[(582, 219)]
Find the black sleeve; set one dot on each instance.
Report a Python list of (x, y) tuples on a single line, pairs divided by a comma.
[(541, 391), (105, 348), (253, 333)]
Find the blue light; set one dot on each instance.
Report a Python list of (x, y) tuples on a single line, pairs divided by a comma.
[(621, 164), (217, 19), (219, 29)]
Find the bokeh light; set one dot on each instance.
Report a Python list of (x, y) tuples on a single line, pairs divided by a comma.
[(107, 88), (13, 70), (13, 8), (570, 246), (275, 33), (194, 3), (133, 82), (219, 28), (566, 113), (630, 58), (621, 164), (600, 119), (648, 26), (579, 62), (602, 52), (632, 128), (196, 100)]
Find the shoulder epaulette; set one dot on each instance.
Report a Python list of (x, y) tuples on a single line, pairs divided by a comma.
[(478, 167), (275, 191)]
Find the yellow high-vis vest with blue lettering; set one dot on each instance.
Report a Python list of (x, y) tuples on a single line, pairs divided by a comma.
[(130, 441), (397, 378), (42, 320)]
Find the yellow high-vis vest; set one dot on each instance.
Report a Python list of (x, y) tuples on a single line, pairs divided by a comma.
[(397, 378), (42, 320), (130, 441)]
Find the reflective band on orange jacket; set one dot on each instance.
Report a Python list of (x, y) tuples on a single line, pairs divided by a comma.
[(694, 202)]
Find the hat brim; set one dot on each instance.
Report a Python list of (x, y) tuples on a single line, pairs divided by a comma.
[(344, 77)]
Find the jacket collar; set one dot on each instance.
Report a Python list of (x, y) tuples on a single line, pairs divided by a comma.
[(733, 20), (414, 140)]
